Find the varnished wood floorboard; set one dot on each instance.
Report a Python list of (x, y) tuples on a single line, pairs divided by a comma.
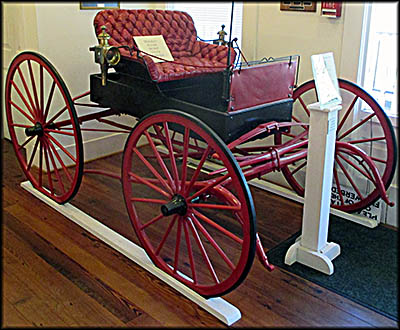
[(56, 274)]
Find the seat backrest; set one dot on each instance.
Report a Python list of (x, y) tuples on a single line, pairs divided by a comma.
[(176, 27)]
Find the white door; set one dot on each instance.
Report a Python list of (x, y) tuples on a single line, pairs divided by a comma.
[(19, 34)]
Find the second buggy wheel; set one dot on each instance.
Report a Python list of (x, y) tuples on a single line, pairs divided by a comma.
[(190, 225), (43, 126), (364, 126)]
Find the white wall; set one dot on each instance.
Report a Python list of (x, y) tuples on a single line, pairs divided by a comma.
[(268, 31)]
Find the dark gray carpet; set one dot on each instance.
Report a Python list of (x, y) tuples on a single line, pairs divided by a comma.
[(366, 271)]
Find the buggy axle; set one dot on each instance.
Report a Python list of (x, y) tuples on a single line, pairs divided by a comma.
[(36, 130), (177, 205)]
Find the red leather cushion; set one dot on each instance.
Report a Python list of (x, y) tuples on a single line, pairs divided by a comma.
[(179, 33)]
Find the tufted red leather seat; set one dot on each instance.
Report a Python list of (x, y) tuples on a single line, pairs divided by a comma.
[(180, 36)]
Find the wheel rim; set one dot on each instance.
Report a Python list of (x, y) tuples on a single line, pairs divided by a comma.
[(207, 238), (43, 127), (353, 189)]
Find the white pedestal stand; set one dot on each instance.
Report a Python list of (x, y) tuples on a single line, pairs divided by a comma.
[(311, 248), (218, 307)]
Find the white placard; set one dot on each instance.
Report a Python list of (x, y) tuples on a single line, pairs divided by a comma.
[(326, 82), (154, 45)]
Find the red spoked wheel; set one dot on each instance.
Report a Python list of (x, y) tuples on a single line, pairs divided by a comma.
[(190, 225), (366, 130), (43, 126)]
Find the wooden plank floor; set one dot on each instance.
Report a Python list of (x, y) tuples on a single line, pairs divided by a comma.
[(57, 274)]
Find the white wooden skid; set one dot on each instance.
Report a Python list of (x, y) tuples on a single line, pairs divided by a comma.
[(220, 308)]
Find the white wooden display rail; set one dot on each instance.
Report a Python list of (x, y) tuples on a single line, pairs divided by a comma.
[(220, 308)]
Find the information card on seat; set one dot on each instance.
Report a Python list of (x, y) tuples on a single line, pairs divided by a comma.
[(154, 45)]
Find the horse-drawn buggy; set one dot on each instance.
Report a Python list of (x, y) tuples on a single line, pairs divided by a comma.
[(208, 123)]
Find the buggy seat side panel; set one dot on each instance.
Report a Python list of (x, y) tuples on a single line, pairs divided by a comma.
[(262, 84)]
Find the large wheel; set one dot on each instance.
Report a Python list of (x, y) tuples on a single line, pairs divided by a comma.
[(190, 225), (43, 126), (366, 128)]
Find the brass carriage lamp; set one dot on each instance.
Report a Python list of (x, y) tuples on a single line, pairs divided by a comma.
[(221, 37), (104, 54)]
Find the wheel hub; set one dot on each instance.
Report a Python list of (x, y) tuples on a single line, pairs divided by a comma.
[(34, 130), (177, 205)]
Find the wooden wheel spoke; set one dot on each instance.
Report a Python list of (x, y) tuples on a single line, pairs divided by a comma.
[(46, 158), (214, 244), (353, 128), (33, 155), (60, 161), (154, 220), (33, 86), (41, 92), (61, 147), (31, 108), (339, 188), (21, 126), (148, 200), (379, 160), (22, 112), (380, 138), (217, 226), (184, 159), (360, 170), (49, 99), (304, 106), (178, 244), (25, 143), (153, 170), (172, 156), (171, 224), (137, 179), (349, 177), (55, 169), (58, 114), (190, 252), (198, 169), (40, 163), (347, 113), (203, 252), (160, 161)]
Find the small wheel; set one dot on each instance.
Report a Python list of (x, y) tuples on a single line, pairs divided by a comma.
[(190, 225), (362, 123), (43, 126)]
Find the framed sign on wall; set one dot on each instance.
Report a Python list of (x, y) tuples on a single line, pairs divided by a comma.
[(299, 5), (99, 5)]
